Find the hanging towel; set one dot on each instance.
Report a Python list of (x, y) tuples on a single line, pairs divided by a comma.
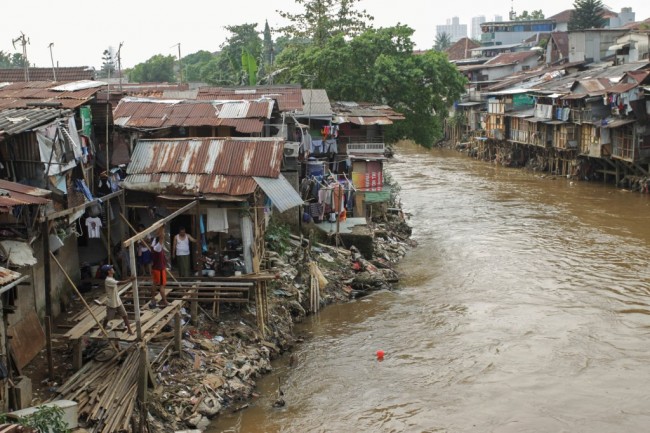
[(217, 220)]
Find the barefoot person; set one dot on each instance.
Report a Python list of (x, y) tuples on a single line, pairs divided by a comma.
[(158, 269), (113, 302)]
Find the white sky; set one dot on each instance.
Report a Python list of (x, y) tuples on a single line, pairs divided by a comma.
[(81, 31)]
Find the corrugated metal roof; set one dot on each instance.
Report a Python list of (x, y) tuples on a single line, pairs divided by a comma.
[(16, 194), (316, 104), (289, 98), (622, 88), (74, 73), (244, 116), (363, 113), (615, 123), (6, 277), (280, 191), (16, 121), (24, 94), (203, 165), (509, 58)]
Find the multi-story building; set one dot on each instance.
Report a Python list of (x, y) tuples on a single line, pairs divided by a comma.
[(513, 32), (453, 28), (476, 26)]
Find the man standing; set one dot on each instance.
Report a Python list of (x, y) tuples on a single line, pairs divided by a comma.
[(113, 302), (181, 250), (158, 269)]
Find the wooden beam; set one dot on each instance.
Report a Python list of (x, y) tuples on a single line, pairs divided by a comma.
[(136, 297), (155, 226), (81, 207)]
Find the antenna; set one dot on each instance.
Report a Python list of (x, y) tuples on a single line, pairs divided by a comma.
[(24, 40), (52, 58)]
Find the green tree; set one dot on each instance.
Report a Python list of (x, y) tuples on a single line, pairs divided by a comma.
[(379, 66), (193, 64), (442, 42), (534, 15), (587, 14), (324, 19), (158, 69), (268, 44), (108, 63), (14, 60)]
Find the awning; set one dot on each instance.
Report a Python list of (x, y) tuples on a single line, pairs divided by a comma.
[(19, 254), (618, 122), (280, 191), (536, 119), (617, 47), (554, 122)]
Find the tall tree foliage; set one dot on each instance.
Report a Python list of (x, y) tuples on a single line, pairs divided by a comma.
[(323, 19), (195, 63), (442, 41), (534, 15), (158, 69), (14, 60), (379, 66), (108, 63), (587, 14)]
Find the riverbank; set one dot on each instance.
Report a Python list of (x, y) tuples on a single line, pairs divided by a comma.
[(555, 162), (222, 357)]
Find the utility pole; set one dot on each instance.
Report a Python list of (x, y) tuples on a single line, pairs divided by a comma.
[(180, 62), (52, 59), (24, 40), (119, 63)]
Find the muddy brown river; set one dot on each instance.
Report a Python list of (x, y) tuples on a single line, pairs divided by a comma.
[(525, 308)]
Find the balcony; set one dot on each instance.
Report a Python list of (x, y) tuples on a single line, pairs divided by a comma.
[(366, 146), (580, 115)]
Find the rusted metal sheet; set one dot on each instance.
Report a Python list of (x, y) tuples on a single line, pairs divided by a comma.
[(7, 276), (203, 166), (44, 74), (34, 93), (622, 87), (288, 98), (364, 113), (244, 116)]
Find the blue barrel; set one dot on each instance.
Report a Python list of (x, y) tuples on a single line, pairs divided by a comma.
[(315, 168)]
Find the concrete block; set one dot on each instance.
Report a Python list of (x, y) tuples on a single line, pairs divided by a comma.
[(70, 412)]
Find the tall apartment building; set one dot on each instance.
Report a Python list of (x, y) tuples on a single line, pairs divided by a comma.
[(454, 29), (476, 26)]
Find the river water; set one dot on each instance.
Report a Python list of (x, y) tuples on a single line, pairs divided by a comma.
[(525, 308)]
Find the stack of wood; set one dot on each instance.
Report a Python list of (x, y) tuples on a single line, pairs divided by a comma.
[(106, 392)]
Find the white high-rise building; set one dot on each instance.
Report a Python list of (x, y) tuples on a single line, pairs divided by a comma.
[(476, 26), (454, 29), (498, 18)]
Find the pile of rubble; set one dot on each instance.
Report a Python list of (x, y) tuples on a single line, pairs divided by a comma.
[(221, 361)]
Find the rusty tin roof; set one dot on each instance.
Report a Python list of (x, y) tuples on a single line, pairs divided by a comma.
[(288, 97), (73, 73), (24, 94), (16, 194), (363, 113), (203, 165), (244, 116)]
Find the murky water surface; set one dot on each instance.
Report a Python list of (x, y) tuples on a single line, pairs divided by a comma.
[(526, 308)]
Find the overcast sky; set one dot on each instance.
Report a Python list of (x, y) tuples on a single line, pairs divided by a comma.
[(81, 31)]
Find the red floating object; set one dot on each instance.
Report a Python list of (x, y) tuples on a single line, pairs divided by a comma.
[(380, 354)]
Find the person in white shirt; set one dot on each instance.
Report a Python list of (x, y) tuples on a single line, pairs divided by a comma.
[(181, 250), (113, 302)]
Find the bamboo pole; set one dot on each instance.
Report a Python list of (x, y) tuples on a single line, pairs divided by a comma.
[(74, 286), (136, 295)]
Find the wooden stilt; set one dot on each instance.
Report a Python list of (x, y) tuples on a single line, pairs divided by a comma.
[(48, 343), (177, 332)]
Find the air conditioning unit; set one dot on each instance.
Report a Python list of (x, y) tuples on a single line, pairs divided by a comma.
[(291, 150)]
